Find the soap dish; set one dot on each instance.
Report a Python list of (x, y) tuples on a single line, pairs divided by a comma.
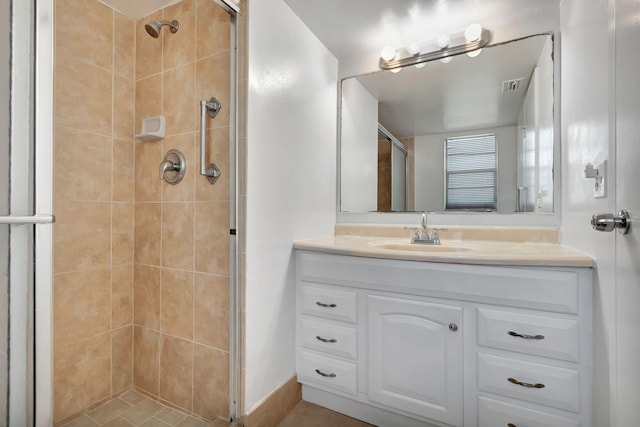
[(153, 129)]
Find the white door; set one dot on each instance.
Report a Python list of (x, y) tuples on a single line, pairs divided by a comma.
[(25, 214), (627, 399), (415, 357)]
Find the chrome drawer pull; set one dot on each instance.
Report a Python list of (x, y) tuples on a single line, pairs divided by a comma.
[(511, 425), (319, 372), (330, 340), (321, 304), (526, 337), (527, 385)]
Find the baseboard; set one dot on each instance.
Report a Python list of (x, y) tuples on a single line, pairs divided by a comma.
[(275, 407)]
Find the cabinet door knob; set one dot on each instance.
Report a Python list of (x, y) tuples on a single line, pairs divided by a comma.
[(321, 304), (525, 336), (453, 327), (319, 372), (527, 385), (330, 340)]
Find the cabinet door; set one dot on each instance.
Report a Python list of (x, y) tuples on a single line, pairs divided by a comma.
[(415, 359)]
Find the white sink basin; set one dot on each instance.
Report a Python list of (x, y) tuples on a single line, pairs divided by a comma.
[(414, 247)]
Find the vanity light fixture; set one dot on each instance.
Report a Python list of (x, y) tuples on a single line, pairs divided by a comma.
[(471, 42)]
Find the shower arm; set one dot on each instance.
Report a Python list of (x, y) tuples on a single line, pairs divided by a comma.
[(210, 107)]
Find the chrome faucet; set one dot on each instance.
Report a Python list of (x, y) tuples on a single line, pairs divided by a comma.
[(423, 237)]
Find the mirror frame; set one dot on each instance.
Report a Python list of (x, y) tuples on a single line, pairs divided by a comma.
[(467, 218)]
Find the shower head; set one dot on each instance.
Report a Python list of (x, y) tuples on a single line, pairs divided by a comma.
[(153, 27)]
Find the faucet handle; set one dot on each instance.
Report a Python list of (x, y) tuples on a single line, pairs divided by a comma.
[(415, 234), (435, 235)]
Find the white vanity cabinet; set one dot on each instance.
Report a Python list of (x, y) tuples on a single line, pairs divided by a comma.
[(408, 343)]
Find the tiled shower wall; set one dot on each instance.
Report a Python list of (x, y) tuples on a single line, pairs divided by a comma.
[(94, 205), (181, 279), (109, 74)]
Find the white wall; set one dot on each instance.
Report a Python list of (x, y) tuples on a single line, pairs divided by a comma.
[(359, 158), (588, 137), (429, 168), (291, 180)]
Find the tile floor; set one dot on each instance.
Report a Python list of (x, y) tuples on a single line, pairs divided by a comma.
[(133, 409), (307, 414)]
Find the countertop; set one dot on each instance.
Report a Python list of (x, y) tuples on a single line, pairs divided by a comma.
[(459, 245)]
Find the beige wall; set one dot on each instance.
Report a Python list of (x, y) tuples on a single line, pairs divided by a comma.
[(181, 279), (108, 199), (93, 196)]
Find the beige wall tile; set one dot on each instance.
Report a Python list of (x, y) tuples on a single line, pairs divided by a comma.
[(148, 99), (123, 171), (176, 371), (146, 359), (179, 48), (83, 165), (121, 295), (146, 294), (212, 238), (122, 358), (81, 374), (211, 382), (213, 79), (147, 233), (148, 188), (177, 303), (123, 100), (177, 235), (178, 101), (81, 235), (84, 30), (218, 153), (82, 304), (213, 25), (79, 96), (211, 310), (122, 233), (123, 45), (184, 190), (148, 49)]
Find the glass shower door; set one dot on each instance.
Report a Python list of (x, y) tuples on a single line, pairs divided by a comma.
[(19, 209)]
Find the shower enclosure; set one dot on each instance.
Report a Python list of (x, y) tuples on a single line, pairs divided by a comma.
[(143, 269)]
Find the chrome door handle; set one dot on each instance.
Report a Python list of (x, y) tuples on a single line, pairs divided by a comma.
[(31, 219), (327, 340), (330, 375), (609, 221), (321, 304)]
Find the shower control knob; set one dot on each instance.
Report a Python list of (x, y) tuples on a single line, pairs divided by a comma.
[(609, 221)]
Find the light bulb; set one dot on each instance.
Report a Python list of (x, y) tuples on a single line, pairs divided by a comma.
[(421, 65), (396, 70), (446, 59), (473, 33), (388, 53), (443, 42), (474, 53), (413, 48)]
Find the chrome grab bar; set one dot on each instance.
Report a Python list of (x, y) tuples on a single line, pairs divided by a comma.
[(31, 219), (210, 107)]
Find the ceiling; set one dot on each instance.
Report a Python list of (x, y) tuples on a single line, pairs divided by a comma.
[(464, 94)]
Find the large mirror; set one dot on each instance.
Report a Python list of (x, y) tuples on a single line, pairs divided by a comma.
[(473, 134)]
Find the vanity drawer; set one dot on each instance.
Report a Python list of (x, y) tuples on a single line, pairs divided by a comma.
[(328, 337), (329, 303), (329, 372), (559, 387), (527, 333), (493, 413)]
